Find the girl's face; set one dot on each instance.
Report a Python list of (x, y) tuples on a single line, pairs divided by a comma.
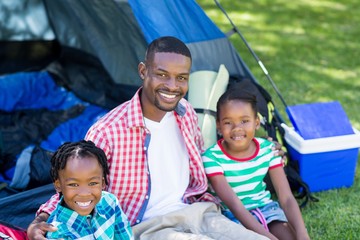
[(81, 183), (237, 124)]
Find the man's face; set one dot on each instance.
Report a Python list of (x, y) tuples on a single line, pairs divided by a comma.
[(81, 183), (165, 79)]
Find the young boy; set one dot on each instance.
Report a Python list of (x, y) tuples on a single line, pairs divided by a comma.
[(236, 166), (79, 171)]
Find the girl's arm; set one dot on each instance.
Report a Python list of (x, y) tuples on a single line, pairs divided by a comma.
[(228, 196), (288, 202)]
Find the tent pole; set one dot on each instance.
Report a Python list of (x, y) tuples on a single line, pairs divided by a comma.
[(262, 66)]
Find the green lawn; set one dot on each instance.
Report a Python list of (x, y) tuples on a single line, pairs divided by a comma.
[(311, 49)]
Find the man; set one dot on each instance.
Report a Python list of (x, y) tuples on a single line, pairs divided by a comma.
[(153, 145)]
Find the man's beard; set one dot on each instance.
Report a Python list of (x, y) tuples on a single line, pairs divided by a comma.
[(165, 108)]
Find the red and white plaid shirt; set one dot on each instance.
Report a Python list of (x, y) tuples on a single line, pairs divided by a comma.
[(124, 138)]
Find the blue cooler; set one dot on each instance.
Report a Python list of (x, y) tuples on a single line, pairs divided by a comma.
[(324, 163), (324, 144)]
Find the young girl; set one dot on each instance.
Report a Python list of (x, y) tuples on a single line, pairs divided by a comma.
[(236, 166), (79, 171)]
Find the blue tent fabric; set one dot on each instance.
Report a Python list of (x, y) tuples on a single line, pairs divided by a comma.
[(188, 22), (182, 19)]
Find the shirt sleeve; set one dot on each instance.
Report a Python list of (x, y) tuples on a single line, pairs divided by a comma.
[(122, 225), (99, 139), (50, 205), (211, 166)]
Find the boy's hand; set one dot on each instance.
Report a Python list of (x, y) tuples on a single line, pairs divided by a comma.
[(38, 228)]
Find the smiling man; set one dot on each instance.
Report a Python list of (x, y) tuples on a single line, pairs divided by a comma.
[(154, 145)]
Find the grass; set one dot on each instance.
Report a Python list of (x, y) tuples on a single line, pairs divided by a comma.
[(312, 52)]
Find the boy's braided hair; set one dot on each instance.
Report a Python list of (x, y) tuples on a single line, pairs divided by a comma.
[(79, 149)]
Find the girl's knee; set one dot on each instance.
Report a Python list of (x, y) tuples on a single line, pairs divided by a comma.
[(282, 230)]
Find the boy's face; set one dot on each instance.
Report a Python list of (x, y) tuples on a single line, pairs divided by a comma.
[(81, 183), (237, 124), (165, 82)]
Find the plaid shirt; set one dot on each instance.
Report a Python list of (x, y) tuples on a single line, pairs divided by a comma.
[(107, 222), (124, 138)]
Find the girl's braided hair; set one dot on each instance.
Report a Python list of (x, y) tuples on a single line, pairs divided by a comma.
[(79, 149), (236, 93)]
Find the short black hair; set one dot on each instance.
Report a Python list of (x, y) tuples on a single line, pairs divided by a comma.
[(167, 44), (237, 93), (79, 149)]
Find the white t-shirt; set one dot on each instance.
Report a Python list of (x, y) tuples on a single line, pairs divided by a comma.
[(169, 167)]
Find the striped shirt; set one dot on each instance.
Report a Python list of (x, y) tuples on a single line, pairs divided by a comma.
[(107, 222), (245, 176), (123, 136)]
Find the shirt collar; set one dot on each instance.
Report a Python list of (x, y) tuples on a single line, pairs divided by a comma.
[(180, 109)]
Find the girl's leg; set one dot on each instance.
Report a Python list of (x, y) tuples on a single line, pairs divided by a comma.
[(281, 230)]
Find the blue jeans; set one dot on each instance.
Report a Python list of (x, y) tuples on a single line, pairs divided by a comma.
[(271, 212)]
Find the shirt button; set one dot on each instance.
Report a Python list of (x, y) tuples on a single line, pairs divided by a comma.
[(137, 221), (147, 197)]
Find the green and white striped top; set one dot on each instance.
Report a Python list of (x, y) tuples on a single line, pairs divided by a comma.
[(245, 176)]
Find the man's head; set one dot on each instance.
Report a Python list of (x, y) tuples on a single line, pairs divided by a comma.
[(166, 45), (165, 74)]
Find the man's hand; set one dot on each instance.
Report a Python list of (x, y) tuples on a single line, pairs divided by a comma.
[(38, 228), (278, 149)]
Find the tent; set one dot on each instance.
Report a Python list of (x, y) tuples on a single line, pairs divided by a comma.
[(66, 63)]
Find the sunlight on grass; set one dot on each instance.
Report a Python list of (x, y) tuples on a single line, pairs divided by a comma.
[(292, 30), (245, 18), (329, 5), (339, 74)]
